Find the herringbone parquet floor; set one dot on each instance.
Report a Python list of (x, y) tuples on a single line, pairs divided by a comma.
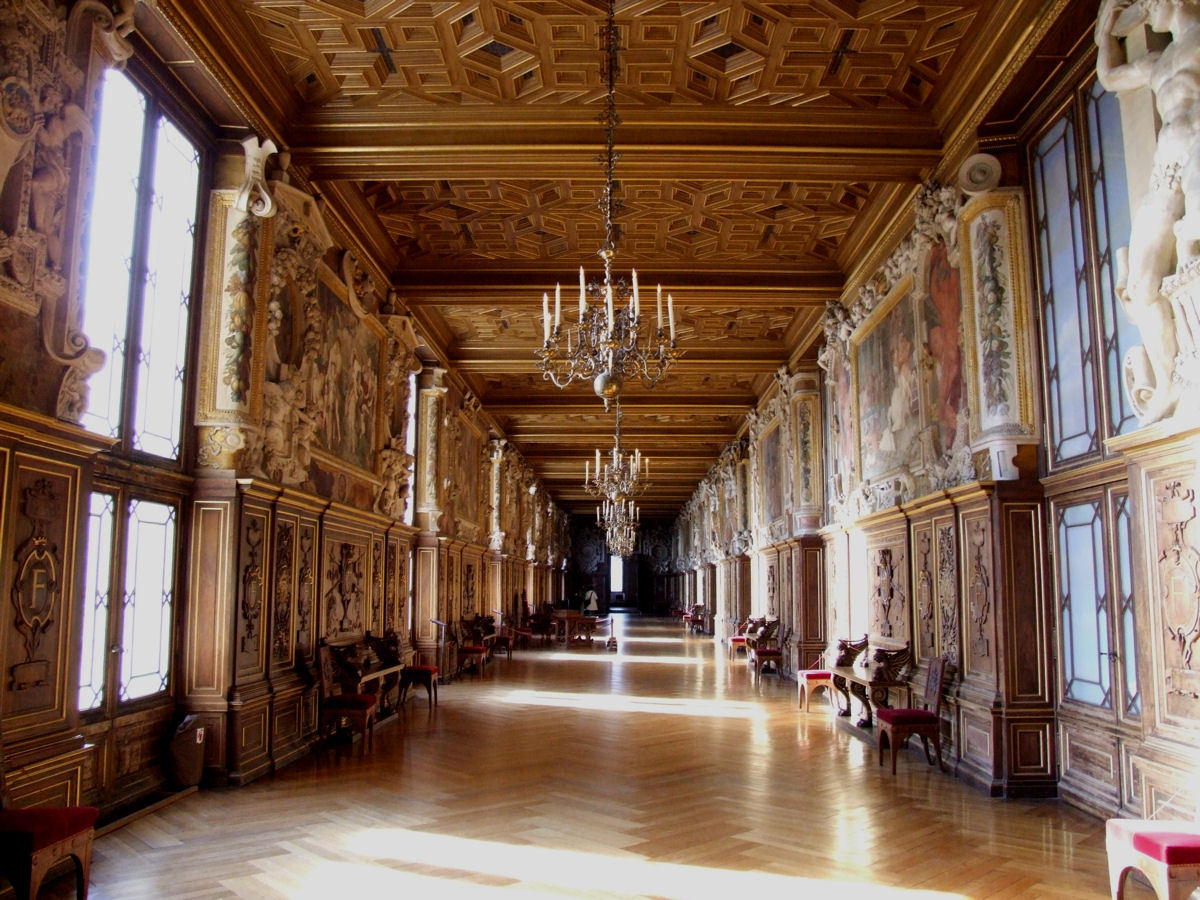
[(660, 770)]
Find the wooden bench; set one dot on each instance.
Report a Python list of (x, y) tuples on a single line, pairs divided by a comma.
[(871, 683), (369, 666)]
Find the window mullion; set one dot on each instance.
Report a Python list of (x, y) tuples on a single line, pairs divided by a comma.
[(139, 272), (1090, 174), (116, 606)]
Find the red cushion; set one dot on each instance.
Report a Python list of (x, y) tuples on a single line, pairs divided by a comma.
[(815, 674), (431, 669), (472, 648), (737, 639), (905, 716), (352, 701), (1170, 847), (46, 825)]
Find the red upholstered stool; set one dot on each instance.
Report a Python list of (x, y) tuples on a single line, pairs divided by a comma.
[(425, 675), (1167, 853), (32, 840), (810, 680), (736, 642)]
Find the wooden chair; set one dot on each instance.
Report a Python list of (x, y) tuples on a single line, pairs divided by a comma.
[(1167, 853), (770, 651), (764, 635), (471, 648), (425, 675), (34, 839), (899, 724), (358, 709), (506, 636)]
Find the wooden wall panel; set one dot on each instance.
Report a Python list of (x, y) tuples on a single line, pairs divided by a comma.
[(57, 781), (1030, 678), (252, 610), (306, 584), (889, 593), (924, 581), (979, 654), (1091, 763), (39, 654), (812, 628), (345, 592), (284, 579)]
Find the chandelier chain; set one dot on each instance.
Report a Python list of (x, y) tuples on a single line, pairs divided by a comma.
[(606, 344)]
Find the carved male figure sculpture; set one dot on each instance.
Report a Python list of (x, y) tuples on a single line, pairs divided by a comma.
[(1165, 234)]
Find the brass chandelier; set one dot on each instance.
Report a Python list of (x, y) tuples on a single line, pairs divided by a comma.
[(606, 344), (622, 475), (619, 519)]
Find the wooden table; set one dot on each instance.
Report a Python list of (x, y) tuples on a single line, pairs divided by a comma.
[(859, 682), (566, 624), (376, 673)]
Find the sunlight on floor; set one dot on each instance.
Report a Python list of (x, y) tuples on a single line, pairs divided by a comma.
[(610, 658), (720, 709), (555, 872), (650, 640)]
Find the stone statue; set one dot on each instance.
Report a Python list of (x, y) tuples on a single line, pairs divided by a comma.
[(1165, 233)]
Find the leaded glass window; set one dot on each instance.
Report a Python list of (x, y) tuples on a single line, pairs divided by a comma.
[(1083, 604), (96, 596), (1081, 219), (139, 269), (148, 599)]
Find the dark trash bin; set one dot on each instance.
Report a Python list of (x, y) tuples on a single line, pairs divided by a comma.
[(185, 758)]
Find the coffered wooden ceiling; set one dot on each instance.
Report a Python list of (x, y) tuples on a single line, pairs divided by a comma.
[(764, 146)]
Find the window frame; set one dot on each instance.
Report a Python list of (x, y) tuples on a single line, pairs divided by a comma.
[(1076, 103), (124, 494), (1120, 659), (163, 100), (126, 473)]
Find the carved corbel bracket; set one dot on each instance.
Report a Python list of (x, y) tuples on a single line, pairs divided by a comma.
[(253, 196)]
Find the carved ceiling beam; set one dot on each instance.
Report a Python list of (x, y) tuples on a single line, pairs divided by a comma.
[(577, 161), (754, 289), (585, 405), (698, 361), (219, 40)]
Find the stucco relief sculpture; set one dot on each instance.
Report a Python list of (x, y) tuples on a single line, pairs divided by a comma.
[(1179, 575), (254, 196), (1158, 273), (396, 474), (50, 56)]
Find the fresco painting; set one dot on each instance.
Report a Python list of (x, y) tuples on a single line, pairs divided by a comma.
[(350, 360), (942, 314), (888, 391)]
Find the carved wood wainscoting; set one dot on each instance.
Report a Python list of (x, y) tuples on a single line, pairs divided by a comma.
[(1164, 486), (961, 574), (805, 568), (274, 570), (937, 621), (45, 476), (1006, 697)]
